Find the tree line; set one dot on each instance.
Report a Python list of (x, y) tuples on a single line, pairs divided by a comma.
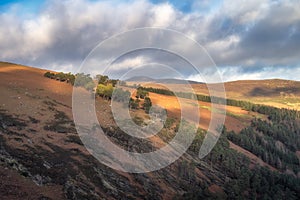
[(78, 80), (275, 114), (105, 88), (241, 181)]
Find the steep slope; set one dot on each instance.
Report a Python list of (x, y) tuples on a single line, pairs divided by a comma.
[(42, 157), (39, 142)]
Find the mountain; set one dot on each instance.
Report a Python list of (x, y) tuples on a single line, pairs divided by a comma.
[(140, 79), (42, 156), (274, 92)]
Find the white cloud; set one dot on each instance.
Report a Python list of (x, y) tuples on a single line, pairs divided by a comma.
[(195, 77), (243, 11), (235, 73), (163, 15), (243, 33), (129, 63)]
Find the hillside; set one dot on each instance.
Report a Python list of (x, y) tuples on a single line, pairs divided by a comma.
[(141, 79), (274, 92), (42, 157)]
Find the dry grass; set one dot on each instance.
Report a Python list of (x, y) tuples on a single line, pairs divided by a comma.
[(274, 92), (236, 118), (25, 93)]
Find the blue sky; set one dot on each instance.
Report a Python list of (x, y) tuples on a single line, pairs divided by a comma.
[(193, 6), (185, 6), (29, 6), (256, 39)]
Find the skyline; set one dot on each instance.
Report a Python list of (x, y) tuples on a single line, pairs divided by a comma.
[(247, 40)]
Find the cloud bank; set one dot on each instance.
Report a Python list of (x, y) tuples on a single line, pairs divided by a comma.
[(247, 40)]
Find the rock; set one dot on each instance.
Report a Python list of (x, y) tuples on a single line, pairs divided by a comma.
[(41, 180), (3, 125), (47, 165)]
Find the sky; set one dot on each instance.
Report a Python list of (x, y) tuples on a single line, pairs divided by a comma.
[(257, 39)]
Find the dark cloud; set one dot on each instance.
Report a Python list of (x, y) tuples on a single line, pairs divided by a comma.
[(272, 41)]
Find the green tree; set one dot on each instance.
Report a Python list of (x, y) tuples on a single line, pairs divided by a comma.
[(104, 91), (70, 78), (141, 93), (109, 91), (49, 74), (100, 90), (147, 104), (84, 80), (121, 96), (133, 104)]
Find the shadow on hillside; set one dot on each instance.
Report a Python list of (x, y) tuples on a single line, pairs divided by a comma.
[(265, 92)]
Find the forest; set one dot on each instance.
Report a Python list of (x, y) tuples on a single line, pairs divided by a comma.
[(275, 140)]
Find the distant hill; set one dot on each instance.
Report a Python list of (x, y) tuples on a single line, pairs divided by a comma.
[(166, 81), (274, 92), (270, 88)]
